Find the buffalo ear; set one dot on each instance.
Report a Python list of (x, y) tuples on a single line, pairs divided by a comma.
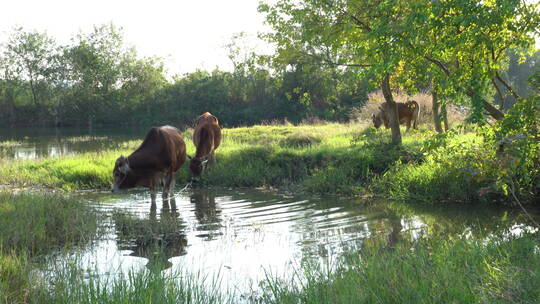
[(372, 115)]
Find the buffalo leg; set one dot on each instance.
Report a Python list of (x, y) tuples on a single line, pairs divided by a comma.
[(212, 158), (168, 186), (172, 183), (153, 194)]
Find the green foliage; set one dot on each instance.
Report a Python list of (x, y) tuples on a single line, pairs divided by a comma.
[(99, 80), (140, 287), (33, 225), (499, 269), (455, 166), (500, 162), (517, 138), (459, 45), (20, 282)]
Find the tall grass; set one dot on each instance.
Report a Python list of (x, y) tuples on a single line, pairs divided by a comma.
[(431, 271), (71, 285), (32, 225), (500, 269), (37, 223), (248, 157), (22, 281), (15, 281)]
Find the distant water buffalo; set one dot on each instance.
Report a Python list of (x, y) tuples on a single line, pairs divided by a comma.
[(153, 164), (407, 112), (206, 138)]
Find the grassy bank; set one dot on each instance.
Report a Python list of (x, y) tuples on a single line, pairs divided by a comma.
[(430, 271), (332, 158), (345, 159), (33, 225)]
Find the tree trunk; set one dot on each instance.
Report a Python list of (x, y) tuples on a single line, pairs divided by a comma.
[(492, 110), (499, 93), (392, 110), (444, 113), (435, 110)]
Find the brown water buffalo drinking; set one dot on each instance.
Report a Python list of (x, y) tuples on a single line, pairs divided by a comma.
[(153, 164), (407, 112), (206, 138)]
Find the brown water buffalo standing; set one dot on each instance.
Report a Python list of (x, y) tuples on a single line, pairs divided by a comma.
[(407, 112), (153, 164), (206, 138)]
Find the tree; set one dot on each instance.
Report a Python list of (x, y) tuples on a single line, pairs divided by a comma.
[(464, 40), (28, 59), (141, 81), (361, 34), (95, 60)]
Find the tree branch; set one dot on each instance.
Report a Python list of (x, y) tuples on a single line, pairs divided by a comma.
[(493, 111), (439, 64), (359, 23), (507, 86)]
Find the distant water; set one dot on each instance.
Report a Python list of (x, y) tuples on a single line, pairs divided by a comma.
[(31, 143)]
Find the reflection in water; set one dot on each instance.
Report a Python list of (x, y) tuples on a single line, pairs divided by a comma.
[(242, 236), (153, 238), (395, 230), (206, 212)]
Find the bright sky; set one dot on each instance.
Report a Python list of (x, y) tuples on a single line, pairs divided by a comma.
[(189, 34)]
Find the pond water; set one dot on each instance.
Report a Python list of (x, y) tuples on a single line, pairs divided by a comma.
[(241, 236), (32, 143)]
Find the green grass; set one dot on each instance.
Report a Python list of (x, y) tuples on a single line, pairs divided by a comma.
[(431, 271), (15, 281), (248, 157), (496, 269), (38, 223), (84, 171), (71, 285), (32, 225), (344, 159), (66, 282)]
